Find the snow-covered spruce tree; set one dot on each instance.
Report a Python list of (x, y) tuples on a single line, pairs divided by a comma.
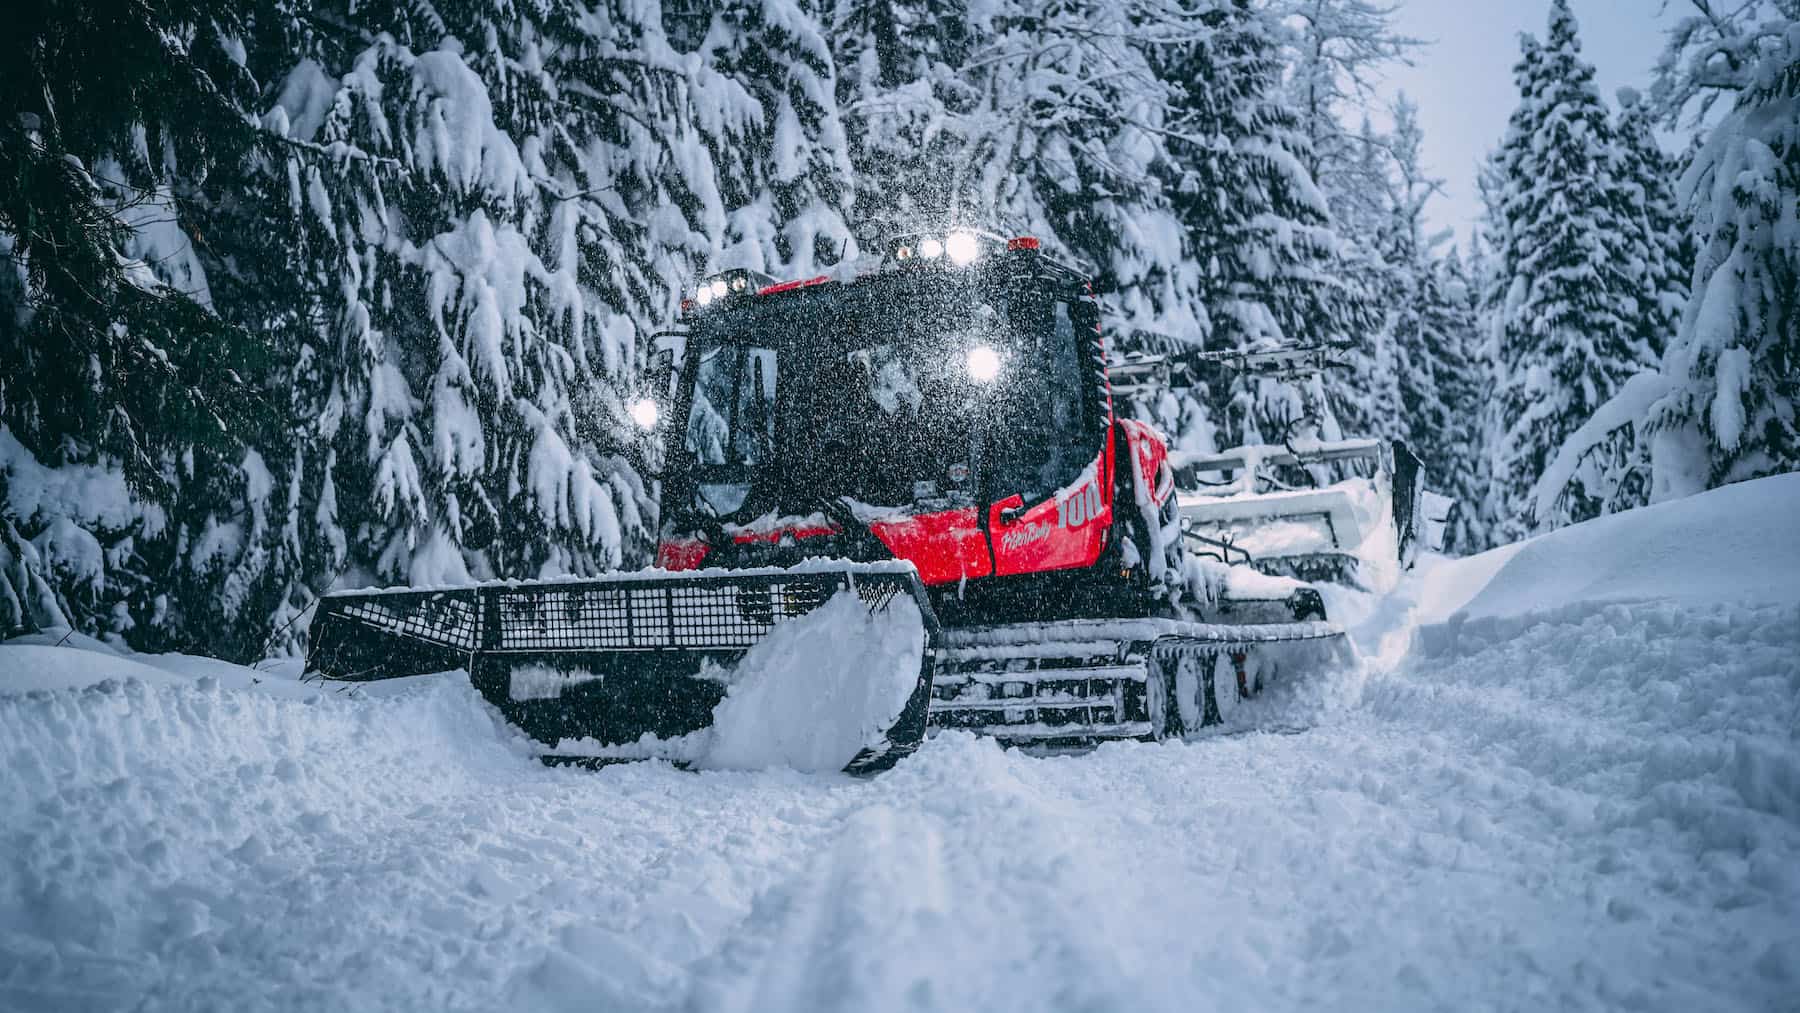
[(1432, 323), (1031, 116), (1563, 322), (1062, 141), (1334, 50), (1644, 186), (1459, 469), (1258, 227), (1613, 470), (1369, 392), (783, 170), (126, 403), (903, 95), (485, 202), (1725, 404), (1734, 367)]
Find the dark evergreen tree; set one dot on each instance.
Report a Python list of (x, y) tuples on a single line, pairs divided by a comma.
[(1259, 228), (1732, 406), (905, 99), (1564, 292), (1457, 461), (1643, 181), (1335, 50), (1438, 370), (1725, 404), (484, 205), (126, 402)]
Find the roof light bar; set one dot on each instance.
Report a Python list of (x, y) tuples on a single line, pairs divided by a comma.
[(959, 247), (962, 248), (727, 284)]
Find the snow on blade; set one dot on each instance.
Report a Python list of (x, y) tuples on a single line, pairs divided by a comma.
[(810, 696), (819, 689)]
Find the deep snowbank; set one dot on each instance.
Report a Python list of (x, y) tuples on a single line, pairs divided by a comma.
[(1738, 543)]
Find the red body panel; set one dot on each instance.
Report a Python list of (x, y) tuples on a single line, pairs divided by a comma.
[(683, 554), (777, 534), (946, 547), (1149, 455), (1067, 531)]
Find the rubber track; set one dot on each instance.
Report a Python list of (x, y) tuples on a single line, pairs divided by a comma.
[(1140, 699)]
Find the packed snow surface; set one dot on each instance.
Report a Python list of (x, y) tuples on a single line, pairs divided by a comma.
[(1566, 776)]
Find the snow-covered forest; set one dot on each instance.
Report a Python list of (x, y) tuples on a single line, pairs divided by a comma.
[(909, 505), (303, 294)]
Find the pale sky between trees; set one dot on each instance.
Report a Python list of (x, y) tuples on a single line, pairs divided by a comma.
[(1463, 84)]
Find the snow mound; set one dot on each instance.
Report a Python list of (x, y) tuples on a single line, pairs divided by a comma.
[(39, 662), (809, 696), (1619, 698), (33, 668), (1735, 543)]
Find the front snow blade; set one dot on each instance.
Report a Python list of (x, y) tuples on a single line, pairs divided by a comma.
[(595, 665)]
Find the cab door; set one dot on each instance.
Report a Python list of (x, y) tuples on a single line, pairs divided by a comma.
[(1051, 460)]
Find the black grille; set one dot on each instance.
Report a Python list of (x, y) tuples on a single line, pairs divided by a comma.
[(445, 618), (383, 634), (725, 613)]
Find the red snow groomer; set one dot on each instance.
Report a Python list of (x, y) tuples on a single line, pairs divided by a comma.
[(950, 410)]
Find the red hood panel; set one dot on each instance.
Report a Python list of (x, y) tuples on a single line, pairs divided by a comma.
[(946, 547)]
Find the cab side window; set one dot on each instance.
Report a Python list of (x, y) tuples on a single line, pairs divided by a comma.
[(1045, 434)]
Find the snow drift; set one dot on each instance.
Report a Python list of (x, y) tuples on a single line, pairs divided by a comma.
[(1735, 543)]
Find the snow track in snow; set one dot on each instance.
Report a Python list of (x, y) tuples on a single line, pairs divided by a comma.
[(1592, 805)]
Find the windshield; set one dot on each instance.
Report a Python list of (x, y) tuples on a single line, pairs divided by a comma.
[(880, 406)]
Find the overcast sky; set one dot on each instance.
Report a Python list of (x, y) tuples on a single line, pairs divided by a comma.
[(1462, 81)]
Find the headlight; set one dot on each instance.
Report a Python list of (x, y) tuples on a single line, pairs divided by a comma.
[(704, 296), (983, 364), (962, 247), (718, 288), (645, 412), (930, 248)]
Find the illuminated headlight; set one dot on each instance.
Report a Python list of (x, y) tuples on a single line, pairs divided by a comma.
[(645, 413), (739, 283), (704, 296), (962, 247), (983, 364), (718, 288), (930, 248)]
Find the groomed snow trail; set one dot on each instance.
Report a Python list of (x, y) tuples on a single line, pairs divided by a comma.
[(1592, 804)]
